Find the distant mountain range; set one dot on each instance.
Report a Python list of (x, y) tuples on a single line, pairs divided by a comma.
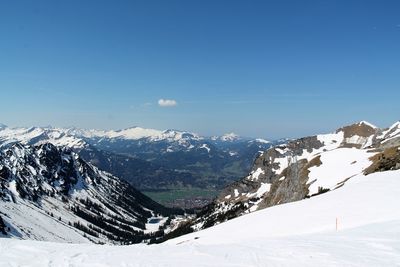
[(150, 159)]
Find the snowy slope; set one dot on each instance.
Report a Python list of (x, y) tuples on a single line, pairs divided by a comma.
[(228, 137), (295, 234), (38, 135)]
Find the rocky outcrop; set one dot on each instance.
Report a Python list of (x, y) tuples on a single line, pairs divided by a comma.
[(304, 168)]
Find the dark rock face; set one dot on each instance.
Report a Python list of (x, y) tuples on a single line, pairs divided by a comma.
[(297, 147), (358, 130), (2, 227), (31, 168)]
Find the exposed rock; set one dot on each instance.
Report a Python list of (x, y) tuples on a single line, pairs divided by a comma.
[(357, 135), (2, 227), (388, 159)]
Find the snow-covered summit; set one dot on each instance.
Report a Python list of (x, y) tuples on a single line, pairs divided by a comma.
[(136, 133), (260, 140), (229, 137), (38, 135), (392, 132), (368, 124)]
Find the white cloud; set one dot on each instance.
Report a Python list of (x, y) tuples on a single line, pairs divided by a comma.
[(167, 103)]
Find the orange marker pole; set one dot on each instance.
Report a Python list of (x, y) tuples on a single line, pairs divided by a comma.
[(337, 224)]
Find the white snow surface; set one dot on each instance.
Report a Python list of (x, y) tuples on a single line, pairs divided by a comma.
[(236, 192), (337, 166), (255, 174), (392, 132), (205, 146), (368, 124), (229, 137), (264, 188), (56, 136), (301, 233), (32, 222), (330, 141), (260, 140)]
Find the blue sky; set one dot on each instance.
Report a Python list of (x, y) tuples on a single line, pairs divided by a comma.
[(258, 68)]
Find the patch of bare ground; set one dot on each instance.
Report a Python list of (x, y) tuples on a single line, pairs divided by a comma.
[(357, 129), (388, 159)]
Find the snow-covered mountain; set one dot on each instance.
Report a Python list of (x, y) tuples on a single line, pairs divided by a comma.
[(39, 135), (229, 137), (355, 225), (148, 158), (50, 193), (70, 136), (306, 167), (75, 137)]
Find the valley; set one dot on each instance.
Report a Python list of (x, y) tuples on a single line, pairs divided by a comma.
[(191, 168), (186, 198)]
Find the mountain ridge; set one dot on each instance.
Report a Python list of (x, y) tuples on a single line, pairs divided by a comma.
[(50, 193)]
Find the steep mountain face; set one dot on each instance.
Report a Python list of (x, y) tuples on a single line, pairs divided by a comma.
[(304, 168), (50, 193), (151, 159)]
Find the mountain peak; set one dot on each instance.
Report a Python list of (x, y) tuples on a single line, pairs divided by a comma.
[(130, 128), (395, 125), (230, 137), (367, 124), (261, 140), (362, 128)]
